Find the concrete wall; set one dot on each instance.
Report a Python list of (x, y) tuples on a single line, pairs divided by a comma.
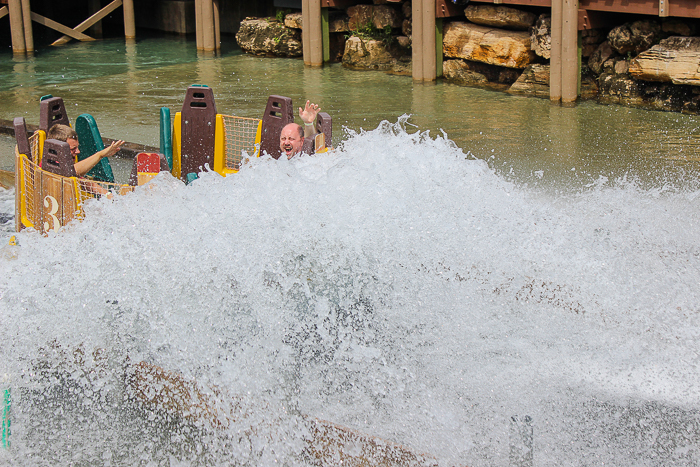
[(177, 16), (166, 15)]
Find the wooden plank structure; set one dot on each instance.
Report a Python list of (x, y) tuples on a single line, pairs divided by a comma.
[(208, 25), (569, 17), (21, 18)]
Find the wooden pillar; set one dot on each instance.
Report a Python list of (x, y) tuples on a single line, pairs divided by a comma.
[(570, 72), (217, 24), (129, 21), (326, 35), (208, 28), (198, 24), (305, 41), (17, 26), (424, 44), (428, 23), (95, 29), (311, 32), (27, 23), (555, 53), (439, 36), (417, 47)]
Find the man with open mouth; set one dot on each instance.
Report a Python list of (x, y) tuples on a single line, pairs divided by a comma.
[(293, 135)]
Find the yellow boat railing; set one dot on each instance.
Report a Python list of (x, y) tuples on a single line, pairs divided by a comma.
[(47, 201)]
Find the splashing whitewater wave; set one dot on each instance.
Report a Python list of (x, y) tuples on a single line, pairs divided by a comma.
[(395, 285)]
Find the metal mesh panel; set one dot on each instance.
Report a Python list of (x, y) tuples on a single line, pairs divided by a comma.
[(47, 201), (34, 146), (240, 135), (88, 189), (27, 190)]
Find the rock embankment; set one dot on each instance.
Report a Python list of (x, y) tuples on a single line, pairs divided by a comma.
[(652, 62), (266, 36)]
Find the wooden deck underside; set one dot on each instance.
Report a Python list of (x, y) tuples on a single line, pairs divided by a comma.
[(676, 8)]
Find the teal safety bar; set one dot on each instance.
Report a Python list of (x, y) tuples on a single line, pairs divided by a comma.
[(166, 136)]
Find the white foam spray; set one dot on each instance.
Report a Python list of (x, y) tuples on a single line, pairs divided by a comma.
[(395, 285)]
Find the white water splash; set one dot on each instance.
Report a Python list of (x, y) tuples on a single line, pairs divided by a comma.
[(395, 286)]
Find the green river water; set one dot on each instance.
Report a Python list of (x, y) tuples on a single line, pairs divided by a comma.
[(528, 140)]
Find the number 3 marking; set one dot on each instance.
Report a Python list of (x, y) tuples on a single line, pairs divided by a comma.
[(52, 212)]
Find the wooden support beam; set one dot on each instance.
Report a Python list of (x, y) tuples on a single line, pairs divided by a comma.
[(417, 40), (217, 24), (311, 33), (570, 72), (208, 34), (325, 34), (198, 24), (305, 40), (315, 34), (678, 8), (95, 29), (683, 8), (17, 26), (49, 23), (27, 20), (555, 53), (90, 21), (439, 36), (129, 20), (429, 59), (4, 11)]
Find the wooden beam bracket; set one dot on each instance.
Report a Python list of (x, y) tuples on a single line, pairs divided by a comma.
[(49, 23), (89, 22)]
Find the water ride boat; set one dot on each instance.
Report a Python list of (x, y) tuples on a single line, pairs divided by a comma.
[(49, 194)]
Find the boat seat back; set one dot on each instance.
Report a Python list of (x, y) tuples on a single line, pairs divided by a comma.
[(22, 137), (90, 143), (52, 111), (278, 113), (323, 125), (198, 127), (57, 158)]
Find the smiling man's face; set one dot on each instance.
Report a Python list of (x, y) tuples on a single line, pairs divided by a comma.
[(291, 140)]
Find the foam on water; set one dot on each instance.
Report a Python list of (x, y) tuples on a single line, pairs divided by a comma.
[(396, 286)]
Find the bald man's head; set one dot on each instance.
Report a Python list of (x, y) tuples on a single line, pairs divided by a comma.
[(291, 139)]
